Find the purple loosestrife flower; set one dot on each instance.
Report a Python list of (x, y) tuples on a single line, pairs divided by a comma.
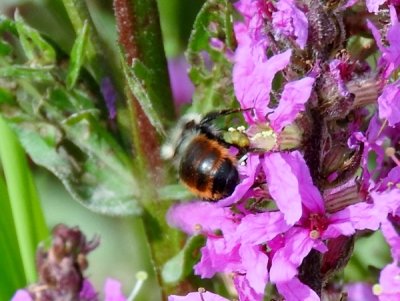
[(390, 59), (373, 5), (360, 291), (253, 73), (288, 20), (313, 225), (22, 295), (113, 290), (292, 101), (199, 296), (389, 103), (388, 288), (182, 87)]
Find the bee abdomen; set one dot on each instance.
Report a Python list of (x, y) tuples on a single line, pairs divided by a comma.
[(207, 169), (225, 179)]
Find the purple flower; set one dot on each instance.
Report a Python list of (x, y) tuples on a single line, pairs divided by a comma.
[(88, 292), (253, 73), (182, 87), (390, 59), (110, 96), (392, 237), (360, 291), (290, 184), (295, 290), (388, 288), (247, 174), (208, 218), (373, 5), (219, 255), (389, 103), (294, 96), (244, 289), (290, 21), (199, 296), (21, 295), (113, 290)]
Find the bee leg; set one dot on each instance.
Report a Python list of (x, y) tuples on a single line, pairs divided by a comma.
[(215, 114)]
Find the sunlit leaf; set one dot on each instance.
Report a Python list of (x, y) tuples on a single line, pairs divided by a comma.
[(35, 74), (81, 153), (37, 50), (77, 56)]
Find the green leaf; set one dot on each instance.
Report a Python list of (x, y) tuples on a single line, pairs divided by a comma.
[(139, 82), (6, 96), (71, 142), (180, 266), (212, 76), (37, 50), (175, 192), (7, 25), (77, 56), (34, 74), (28, 218), (5, 48)]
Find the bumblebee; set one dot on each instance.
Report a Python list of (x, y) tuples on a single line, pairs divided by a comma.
[(205, 164)]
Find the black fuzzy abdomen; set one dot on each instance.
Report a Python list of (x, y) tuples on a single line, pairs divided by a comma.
[(225, 179), (207, 169)]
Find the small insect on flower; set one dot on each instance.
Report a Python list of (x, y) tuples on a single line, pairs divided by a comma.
[(205, 164)]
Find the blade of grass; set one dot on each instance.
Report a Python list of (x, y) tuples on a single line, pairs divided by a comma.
[(12, 276), (26, 211)]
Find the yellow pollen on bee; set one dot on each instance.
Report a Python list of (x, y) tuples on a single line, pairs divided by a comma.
[(377, 289), (314, 234), (197, 228)]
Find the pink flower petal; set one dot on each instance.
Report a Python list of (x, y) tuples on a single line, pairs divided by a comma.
[(255, 263), (113, 290), (195, 217), (206, 296), (373, 5), (360, 291), (294, 96), (295, 290), (247, 174), (21, 295), (392, 237), (290, 185), (389, 103), (291, 21), (287, 259), (260, 228)]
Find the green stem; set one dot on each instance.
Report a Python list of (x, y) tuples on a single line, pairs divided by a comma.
[(26, 211), (140, 38)]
